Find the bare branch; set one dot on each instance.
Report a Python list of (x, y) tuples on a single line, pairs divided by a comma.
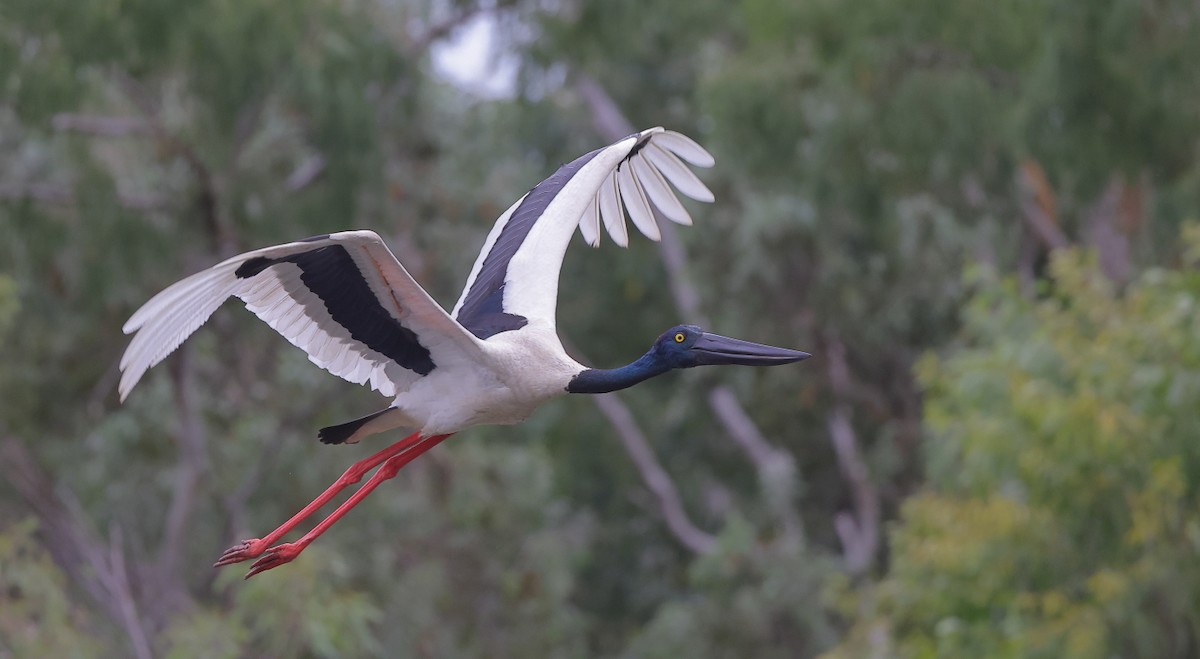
[(101, 126), (61, 194), (1038, 206), (1047, 232), (54, 194), (207, 200), (1103, 232), (742, 429), (309, 170), (191, 466), (655, 477), (607, 118), (116, 580), (67, 543), (73, 546), (776, 468), (674, 258), (859, 532), (1105, 224)]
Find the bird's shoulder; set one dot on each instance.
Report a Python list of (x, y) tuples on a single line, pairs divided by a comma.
[(531, 356)]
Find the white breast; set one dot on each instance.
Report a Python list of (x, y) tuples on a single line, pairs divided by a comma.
[(520, 371)]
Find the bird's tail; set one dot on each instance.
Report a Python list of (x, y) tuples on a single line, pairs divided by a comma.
[(353, 431)]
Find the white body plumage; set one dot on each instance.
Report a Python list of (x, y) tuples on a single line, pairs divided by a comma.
[(517, 373)]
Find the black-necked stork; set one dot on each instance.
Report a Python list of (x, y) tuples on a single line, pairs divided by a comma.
[(344, 299)]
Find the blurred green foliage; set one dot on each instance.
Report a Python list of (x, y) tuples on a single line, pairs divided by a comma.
[(38, 617), (1062, 517), (1025, 430)]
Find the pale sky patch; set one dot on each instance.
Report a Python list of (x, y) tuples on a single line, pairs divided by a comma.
[(473, 59)]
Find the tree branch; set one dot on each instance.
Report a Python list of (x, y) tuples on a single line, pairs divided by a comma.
[(190, 468), (607, 118), (100, 126), (776, 468), (113, 574), (1038, 206), (67, 543), (73, 547), (674, 258), (1103, 233), (859, 532), (207, 200), (655, 477), (60, 194), (309, 170)]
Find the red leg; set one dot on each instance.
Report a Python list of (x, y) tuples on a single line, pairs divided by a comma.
[(288, 551), (253, 547)]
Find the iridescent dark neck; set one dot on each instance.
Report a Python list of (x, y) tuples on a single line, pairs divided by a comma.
[(602, 380)]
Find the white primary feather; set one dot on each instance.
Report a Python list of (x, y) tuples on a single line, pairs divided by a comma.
[(610, 208), (677, 173), (635, 201), (639, 185), (659, 192), (589, 225), (686, 148)]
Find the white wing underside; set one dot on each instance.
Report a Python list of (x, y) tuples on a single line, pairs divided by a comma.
[(279, 297), (612, 183)]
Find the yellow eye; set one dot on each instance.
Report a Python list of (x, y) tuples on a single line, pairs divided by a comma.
[(679, 337)]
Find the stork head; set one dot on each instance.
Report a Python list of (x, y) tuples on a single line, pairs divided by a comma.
[(682, 346), (685, 346)]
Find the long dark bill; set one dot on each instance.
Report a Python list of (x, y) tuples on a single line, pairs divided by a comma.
[(716, 349)]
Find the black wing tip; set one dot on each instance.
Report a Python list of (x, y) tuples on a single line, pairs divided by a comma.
[(253, 266), (639, 146), (645, 137)]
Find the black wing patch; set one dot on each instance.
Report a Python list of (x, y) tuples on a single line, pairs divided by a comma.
[(482, 312), (333, 276), (636, 147)]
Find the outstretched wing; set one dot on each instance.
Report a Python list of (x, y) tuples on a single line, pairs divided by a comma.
[(515, 279), (342, 298)]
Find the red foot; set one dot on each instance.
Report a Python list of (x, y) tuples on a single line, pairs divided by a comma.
[(276, 556), (242, 551)]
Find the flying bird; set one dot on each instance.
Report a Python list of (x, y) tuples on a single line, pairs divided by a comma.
[(344, 299)]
